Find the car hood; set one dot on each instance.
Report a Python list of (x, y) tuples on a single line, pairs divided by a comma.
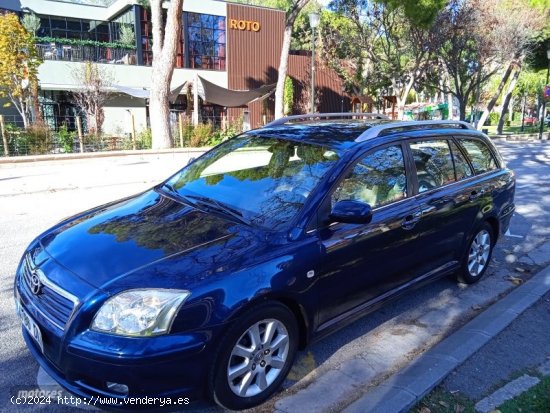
[(111, 242)]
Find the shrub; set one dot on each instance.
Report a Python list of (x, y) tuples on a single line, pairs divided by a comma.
[(144, 139), (493, 119), (201, 134), (36, 138), (65, 139)]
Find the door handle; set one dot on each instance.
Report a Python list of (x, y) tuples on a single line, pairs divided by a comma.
[(410, 220), (475, 194)]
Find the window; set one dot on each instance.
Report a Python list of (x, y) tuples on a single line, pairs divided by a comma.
[(481, 157), (434, 164), (462, 169), (206, 41), (378, 179)]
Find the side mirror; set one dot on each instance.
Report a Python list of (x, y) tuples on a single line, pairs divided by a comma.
[(351, 212)]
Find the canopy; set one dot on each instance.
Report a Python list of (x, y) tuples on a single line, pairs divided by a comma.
[(218, 95), (143, 93)]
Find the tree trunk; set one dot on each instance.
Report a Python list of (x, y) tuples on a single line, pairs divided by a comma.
[(507, 98), (494, 98), (164, 60), (462, 108), (402, 98), (291, 15), (283, 67), (36, 103)]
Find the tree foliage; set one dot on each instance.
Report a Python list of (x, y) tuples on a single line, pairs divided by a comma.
[(19, 63), (378, 47), (93, 93)]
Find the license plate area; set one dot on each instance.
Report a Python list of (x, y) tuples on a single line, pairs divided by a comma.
[(30, 325)]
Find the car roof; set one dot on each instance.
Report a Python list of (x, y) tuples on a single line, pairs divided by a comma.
[(344, 131), (339, 134)]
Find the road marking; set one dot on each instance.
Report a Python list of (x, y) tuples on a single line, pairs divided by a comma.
[(508, 234)]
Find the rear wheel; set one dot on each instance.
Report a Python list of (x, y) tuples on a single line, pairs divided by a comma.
[(478, 255), (255, 356)]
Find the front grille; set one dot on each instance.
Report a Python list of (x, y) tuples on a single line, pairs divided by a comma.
[(52, 302)]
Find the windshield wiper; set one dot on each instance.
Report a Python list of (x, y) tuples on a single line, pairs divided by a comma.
[(220, 207)]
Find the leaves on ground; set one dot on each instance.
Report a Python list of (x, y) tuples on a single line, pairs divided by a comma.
[(514, 280)]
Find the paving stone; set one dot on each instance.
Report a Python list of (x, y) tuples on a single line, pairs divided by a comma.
[(507, 392), (317, 397), (526, 260), (360, 370), (541, 255), (424, 374), (383, 399), (461, 344), (544, 368)]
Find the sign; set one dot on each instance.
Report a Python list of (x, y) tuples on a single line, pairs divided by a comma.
[(247, 25)]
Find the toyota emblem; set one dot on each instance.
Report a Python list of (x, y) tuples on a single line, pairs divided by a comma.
[(36, 285)]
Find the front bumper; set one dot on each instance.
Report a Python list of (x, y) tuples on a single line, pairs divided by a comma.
[(179, 374)]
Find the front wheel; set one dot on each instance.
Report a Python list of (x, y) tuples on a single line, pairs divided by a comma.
[(255, 356), (478, 255)]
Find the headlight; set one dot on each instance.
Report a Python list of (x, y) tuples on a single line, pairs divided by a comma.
[(139, 312)]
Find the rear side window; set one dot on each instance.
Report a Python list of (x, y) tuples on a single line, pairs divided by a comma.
[(434, 164), (480, 155)]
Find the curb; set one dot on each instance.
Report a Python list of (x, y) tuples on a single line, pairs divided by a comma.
[(404, 389), (87, 155)]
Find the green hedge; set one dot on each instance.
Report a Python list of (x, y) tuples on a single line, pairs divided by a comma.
[(78, 42)]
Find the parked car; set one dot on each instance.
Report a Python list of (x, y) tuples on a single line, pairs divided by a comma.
[(207, 284), (530, 121)]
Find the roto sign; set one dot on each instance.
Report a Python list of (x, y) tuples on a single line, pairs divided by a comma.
[(244, 25)]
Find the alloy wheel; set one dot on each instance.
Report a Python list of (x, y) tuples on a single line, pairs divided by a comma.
[(258, 358), (478, 255)]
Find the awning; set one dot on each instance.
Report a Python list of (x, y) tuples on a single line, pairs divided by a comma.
[(210, 92), (143, 92)]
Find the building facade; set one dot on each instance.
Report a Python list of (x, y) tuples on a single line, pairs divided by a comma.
[(232, 45)]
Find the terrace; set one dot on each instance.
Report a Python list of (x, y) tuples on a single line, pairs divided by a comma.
[(81, 53)]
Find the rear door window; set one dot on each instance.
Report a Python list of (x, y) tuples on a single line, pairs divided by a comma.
[(462, 168), (434, 163), (480, 155)]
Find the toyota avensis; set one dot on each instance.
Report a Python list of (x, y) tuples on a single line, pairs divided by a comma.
[(207, 284)]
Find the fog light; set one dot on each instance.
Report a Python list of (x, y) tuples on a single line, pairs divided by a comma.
[(118, 388)]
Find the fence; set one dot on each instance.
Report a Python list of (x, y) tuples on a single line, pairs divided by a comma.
[(40, 139), (82, 53)]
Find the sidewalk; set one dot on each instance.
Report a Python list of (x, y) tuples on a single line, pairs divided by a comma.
[(479, 362)]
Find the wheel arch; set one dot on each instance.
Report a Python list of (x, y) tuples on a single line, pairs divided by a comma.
[(291, 303), (495, 225)]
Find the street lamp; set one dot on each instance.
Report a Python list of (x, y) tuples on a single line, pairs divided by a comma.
[(313, 22), (542, 116)]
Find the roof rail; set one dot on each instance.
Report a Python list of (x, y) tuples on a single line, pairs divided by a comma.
[(377, 130), (282, 121)]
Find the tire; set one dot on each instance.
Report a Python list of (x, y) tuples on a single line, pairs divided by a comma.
[(478, 255), (250, 366)]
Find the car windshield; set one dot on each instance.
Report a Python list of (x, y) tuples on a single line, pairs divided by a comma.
[(263, 179)]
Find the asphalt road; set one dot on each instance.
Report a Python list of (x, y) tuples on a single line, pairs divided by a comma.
[(34, 196)]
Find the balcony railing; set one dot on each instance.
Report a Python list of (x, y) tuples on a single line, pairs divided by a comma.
[(82, 53)]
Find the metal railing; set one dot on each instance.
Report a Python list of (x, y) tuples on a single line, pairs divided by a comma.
[(82, 53)]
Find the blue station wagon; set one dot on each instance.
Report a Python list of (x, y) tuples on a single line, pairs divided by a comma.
[(207, 284)]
